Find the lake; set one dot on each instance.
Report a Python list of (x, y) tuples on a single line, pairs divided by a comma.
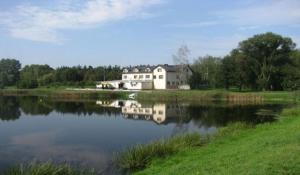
[(88, 133)]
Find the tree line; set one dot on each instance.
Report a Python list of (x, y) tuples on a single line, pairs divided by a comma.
[(33, 76), (265, 61)]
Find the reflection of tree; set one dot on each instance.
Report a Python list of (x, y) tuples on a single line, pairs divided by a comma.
[(221, 116), (84, 108), (35, 105), (9, 108)]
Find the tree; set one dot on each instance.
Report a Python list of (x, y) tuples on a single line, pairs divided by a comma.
[(206, 72), (31, 75), (181, 58), (235, 71), (291, 72), (9, 72), (265, 53)]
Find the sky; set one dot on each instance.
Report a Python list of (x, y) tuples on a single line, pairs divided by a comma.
[(131, 32)]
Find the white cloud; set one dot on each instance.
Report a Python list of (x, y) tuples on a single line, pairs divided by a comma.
[(43, 24), (193, 24)]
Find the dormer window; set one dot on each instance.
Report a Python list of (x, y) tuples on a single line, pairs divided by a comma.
[(125, 70), (135, 70), (147, 70), (159, 70)]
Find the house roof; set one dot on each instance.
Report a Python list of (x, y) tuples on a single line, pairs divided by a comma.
[(143, 68)]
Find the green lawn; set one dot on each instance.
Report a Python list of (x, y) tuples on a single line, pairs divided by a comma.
[(266, 149)]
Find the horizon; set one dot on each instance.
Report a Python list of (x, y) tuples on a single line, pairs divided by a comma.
[(135, 32)]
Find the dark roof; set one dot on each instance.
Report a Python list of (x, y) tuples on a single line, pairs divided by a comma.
[(142, 68)]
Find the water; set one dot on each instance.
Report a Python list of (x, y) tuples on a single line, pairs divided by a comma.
[(86, 134)]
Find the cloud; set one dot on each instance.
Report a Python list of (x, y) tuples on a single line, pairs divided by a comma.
[(193, 24), (38, 23)]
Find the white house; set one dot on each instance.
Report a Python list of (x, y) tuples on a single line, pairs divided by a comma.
[(152, 77)]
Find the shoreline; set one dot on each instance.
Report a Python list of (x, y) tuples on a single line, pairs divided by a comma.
[(159, 95)]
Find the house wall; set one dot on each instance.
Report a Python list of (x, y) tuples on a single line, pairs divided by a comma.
[(159, 83), (137, 76), (138, 85), (173, 80)]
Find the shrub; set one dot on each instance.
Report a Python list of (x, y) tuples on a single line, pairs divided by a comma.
[(140, 156)]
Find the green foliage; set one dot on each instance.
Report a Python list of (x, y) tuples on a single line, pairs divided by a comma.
[(9, 72), (206, 72), (47, 169), (33, 76), (140, 156), (265, 54)]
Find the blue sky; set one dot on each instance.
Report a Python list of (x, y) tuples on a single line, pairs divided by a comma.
[(129, 32)]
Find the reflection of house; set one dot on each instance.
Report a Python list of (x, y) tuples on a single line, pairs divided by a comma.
[(152, 77), (159, 113)]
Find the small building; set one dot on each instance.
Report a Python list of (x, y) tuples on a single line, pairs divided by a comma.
[(152, 77)]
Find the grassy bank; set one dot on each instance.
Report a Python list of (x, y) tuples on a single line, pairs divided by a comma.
[(219, 95), (271, 148), (66, 94), (159, 95), (47, 169)]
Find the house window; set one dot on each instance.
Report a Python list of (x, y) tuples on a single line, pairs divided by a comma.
[(154, 76), (160, 112), (159, 70), (161, 77), (141, 76), (168, 83), (135, 76), (125, 77), (147, 76), (147, 111)]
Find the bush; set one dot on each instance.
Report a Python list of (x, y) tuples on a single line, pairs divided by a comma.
[(28, 84), (140, 156)]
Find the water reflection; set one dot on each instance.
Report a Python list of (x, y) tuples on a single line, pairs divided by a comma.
[(216, 115), (160, 113), (88, 133), (11, 108)]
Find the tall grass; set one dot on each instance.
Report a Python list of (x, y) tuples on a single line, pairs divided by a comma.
[(139, 156), (47, 169)]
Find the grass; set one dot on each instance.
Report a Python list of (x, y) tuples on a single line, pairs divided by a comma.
[(160, 95), (271, 148), (59, 93), (47, 169), (140, 156), (219, 95)]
